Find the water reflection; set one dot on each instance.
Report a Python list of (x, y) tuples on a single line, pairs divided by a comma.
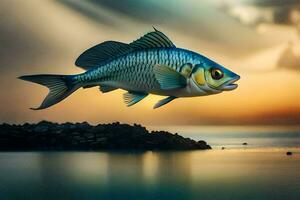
[(234, 174)]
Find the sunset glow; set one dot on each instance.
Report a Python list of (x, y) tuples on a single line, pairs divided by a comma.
[(54, 35)]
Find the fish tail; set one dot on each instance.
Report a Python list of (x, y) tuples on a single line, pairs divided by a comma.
[(60, 87)]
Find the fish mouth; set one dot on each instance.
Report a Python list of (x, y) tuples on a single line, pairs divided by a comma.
[(230, 85)]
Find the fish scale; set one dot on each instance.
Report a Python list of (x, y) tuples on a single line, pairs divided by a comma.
[(134, 71)]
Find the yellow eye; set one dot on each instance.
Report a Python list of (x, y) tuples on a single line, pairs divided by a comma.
[(216, 74)]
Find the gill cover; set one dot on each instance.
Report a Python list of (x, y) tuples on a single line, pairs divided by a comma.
[(198, 74)]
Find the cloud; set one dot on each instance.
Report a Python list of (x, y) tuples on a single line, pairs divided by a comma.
[(280, 12), (105, 11), (198, 23), (247, 14), (255, 12), (288, 59)]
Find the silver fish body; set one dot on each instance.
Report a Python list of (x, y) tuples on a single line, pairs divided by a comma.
[(134, 71), (150, 65)]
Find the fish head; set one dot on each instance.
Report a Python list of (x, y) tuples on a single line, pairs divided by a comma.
[(213, 78)]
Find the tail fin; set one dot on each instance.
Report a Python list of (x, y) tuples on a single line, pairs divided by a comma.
[(60, 87)]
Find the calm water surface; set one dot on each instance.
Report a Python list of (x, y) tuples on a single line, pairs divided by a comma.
[(251, 172), (234, 136)]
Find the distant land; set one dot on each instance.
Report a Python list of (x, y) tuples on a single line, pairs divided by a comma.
[(49, 136)]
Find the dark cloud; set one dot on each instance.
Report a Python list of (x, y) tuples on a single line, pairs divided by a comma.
[(90, 10), (149, 12), (273, 3), (200, 22), (285, 16)]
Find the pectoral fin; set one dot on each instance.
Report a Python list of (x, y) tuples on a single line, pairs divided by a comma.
[(164, 102), (131, 98), (169, 78)]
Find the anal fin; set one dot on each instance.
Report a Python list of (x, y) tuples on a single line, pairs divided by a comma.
[(131, 98), (164, 102)]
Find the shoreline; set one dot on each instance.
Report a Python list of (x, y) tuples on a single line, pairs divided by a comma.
[(49, 136)]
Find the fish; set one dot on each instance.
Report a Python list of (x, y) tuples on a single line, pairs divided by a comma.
[(151, 64)]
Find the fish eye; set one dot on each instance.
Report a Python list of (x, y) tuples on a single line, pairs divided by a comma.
[(216, 73)]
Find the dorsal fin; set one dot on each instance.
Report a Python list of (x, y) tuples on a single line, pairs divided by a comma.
[(100, 53), (109, 50), (154, 39)]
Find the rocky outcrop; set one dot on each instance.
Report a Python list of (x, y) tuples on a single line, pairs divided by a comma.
[(46, 136)]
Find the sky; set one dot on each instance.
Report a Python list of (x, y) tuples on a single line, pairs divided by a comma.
[(259, 40)]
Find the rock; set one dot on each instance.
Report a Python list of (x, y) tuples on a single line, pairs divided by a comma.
[(245, 143), (223, 148), (201, 142), (83, 136), (289, 153), (82, 125), (40, 129)]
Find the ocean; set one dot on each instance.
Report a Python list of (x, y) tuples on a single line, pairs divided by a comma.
[(235, 136), (259, 170)]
